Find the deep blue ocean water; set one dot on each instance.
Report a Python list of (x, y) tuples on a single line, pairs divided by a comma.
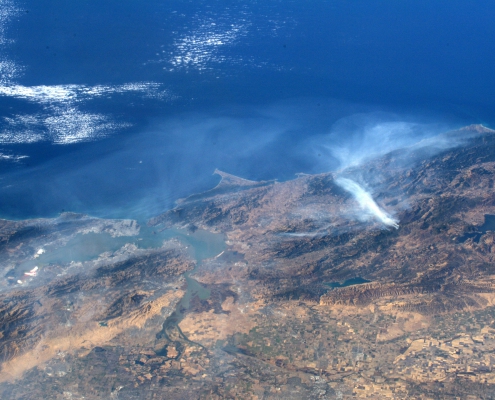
[(253, 88)]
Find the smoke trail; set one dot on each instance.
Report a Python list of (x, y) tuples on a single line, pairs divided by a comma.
[(359, 138), (366, 202)]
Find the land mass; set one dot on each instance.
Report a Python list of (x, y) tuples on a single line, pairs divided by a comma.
[(314, 296)]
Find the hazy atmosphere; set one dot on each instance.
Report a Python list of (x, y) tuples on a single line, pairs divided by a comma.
[(120, 109), (260, 199)]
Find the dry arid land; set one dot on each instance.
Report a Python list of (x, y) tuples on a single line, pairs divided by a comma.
[(312, 296)]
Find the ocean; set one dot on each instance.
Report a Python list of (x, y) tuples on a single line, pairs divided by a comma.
[(118, 109)]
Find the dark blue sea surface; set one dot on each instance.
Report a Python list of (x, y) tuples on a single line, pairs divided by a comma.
[(119, 108)]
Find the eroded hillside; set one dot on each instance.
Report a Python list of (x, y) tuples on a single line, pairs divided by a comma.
[(383, 287)]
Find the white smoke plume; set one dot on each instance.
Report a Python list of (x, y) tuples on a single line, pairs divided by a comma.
[(366, 202), (360, 138)]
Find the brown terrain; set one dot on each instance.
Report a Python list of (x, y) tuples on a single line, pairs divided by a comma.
[(312, 298)]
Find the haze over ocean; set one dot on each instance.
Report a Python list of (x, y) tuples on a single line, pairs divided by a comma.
[(119, 109)]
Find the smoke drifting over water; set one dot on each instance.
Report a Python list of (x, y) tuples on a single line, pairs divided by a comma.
[(142, 173), (361, 137)]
